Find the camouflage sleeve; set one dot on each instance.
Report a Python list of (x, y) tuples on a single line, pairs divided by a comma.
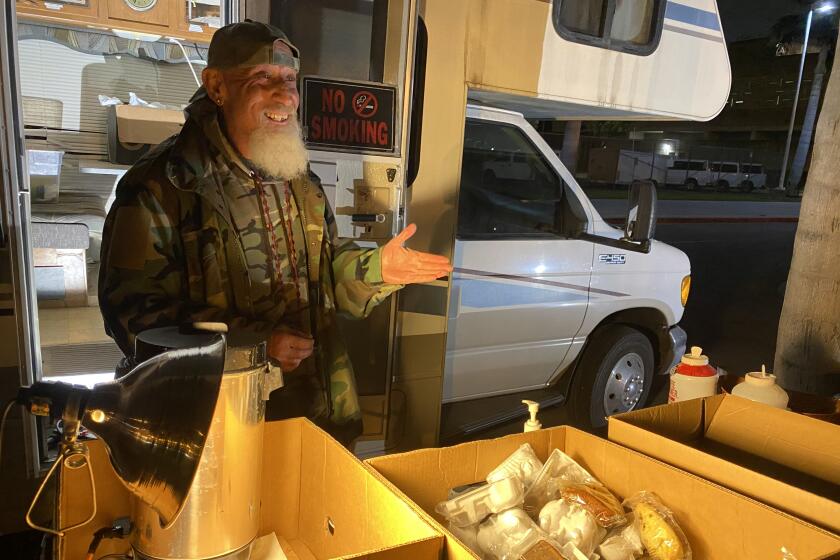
[(143, 276), (357, 273)]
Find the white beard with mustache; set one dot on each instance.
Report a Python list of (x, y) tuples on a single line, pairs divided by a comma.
[(281, 153)]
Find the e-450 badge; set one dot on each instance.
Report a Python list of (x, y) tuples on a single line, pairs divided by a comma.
[(613, 259)]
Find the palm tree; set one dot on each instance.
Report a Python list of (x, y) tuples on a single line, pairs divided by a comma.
[(803, 147), (790, 30), (808, 342)]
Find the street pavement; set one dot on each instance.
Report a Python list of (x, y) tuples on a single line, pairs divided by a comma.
[(738, 274)]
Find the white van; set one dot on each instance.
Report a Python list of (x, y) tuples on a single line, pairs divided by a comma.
[(753, 176), (690, 173), (721, 175), (537, 270), (724, 175)]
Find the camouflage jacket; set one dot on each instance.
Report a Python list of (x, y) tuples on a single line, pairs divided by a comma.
[(171, 256)]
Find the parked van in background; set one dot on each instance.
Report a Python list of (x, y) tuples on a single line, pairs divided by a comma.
[(724, 174), (720, 175), (690, 173), (753, 176)]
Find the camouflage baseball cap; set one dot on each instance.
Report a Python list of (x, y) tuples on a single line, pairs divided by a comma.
[(251, 43)]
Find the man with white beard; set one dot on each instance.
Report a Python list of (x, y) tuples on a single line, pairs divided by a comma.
[(224, 222)]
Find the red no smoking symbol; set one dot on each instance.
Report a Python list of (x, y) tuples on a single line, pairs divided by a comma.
[(365, 104)]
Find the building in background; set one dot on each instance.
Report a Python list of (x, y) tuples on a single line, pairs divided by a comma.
[(752, 128)]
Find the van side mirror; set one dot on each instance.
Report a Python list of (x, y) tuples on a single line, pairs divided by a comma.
[(641, 212), (640, 224)]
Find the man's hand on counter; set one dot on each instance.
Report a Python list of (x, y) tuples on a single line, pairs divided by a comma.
[(401, 265), (289, 349)]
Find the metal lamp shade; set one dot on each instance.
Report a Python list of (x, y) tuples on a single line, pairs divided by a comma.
[(154, 422)]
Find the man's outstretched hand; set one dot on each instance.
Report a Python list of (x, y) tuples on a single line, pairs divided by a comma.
[(407, 266)]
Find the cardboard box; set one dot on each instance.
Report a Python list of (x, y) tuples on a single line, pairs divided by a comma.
[(146, 125), (60, 277), (719, 523), (309, 479), (133, 130), (783, 459)]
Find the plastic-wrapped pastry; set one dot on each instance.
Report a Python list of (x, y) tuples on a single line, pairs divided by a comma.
[(631, 535), (542, 549), (522, 464), (569, 523), (572, 552), (616, 548), (595, 498), (623, 543), (558, 471), (661, 535)]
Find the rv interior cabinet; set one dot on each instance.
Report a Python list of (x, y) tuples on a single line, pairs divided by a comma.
[(191, 20)]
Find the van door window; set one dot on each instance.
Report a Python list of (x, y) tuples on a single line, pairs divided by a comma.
[(508, 189)]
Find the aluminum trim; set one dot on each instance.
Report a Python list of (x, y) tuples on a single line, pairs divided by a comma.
[(698, 34), (531, 280)]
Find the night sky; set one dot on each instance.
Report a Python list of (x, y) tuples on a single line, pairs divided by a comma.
[(752, 19)]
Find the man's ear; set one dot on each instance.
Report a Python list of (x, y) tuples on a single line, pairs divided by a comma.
[(214, 83)]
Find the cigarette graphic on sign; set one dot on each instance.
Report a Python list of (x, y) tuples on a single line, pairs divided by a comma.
[(365, 104)]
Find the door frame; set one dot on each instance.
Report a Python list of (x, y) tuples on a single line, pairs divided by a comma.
[(15, 223), (15, 233)]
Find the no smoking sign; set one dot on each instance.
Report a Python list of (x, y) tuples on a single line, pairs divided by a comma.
[(349, 116)]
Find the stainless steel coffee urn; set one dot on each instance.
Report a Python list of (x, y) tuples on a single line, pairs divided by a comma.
[(221, 515)]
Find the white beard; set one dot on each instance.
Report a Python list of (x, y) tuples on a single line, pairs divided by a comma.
[(281, 153)]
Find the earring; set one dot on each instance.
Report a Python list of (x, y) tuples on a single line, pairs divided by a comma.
[(219, 101)]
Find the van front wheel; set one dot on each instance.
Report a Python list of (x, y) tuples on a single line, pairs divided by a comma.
[(614, 375)]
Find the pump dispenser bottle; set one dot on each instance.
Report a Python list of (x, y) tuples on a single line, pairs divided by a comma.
[(532, 424)]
